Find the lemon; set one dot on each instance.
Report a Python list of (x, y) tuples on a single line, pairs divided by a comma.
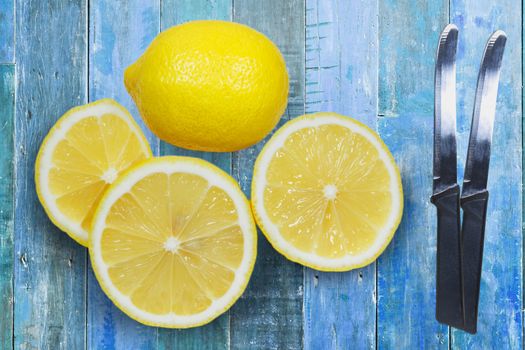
[(210, 86), (82, 154), (173, 242), (327, 193)]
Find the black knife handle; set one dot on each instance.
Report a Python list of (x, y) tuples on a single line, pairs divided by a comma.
[(474, 215), (449, 286)]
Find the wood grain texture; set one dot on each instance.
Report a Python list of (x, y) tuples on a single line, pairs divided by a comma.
[(119, 31), (7, 31), (7, 113), (174, 12), (50, 268), (269, 314), (215, 335), (500, 320), (341, 76), (342, 58), (408, 34)]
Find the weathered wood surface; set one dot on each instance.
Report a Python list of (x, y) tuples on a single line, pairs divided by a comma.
[(408, 35), (341, 76), (49, 267), (269, 314), (7, 113), (217, 334), (119, 31), (500, 321), (7, 34), (372, 60)]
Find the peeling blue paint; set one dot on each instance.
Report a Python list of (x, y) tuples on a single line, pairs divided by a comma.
[(349, 73)]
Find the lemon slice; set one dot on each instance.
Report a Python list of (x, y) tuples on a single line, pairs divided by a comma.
[(173, 242), (327, 193), (82, 154)]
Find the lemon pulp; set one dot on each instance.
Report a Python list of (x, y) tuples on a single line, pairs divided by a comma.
[(83, 153), (171, 247), (327, 193)]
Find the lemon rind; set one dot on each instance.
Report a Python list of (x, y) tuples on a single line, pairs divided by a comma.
[(55, 135), (215, 177), (208, 136), (270, 230)]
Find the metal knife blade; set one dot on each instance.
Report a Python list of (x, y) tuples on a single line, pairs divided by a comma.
[(478, 155), (445, 156)]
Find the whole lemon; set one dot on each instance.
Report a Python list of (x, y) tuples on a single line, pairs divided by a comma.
[(210, 86)]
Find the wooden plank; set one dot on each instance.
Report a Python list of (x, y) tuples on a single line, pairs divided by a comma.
[(215, 335), (174, 12), (341, 76), (269, 315), (7, 31), (500, 320), (119, 31), (7, 113), (341, 58), (408, 34), (50, 268)]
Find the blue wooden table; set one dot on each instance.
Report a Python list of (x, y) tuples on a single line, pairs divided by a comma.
[(370, 59)]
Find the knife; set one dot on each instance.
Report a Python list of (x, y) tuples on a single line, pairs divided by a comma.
[(449, 289), (474, 196)]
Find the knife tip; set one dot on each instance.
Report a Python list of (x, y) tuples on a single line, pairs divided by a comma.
[(498, 34), (451, 27)]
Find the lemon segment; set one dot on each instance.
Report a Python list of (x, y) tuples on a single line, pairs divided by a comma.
[(81, 155), (327, 193), (173, 242)]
